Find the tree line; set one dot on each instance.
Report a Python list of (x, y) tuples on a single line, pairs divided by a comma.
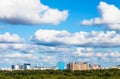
[(61, 74)]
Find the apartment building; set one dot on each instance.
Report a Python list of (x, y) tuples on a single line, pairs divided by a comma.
[(78, 66)]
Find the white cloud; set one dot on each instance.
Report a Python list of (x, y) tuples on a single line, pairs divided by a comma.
[(20, 55), (94, 53), (84, 39), (51, 46), (50, 37), (110, 15), (29, 12), (48, 55), (10, 58), (97, 55), (10, 38), (31, 48), (32, 53)]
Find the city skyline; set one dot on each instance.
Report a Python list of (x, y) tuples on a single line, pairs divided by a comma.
[(60, 66), (48, 31)]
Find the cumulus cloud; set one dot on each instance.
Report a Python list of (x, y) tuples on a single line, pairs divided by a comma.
[(20, 55), (48, 55), (51, 46), (29, 12), (110, 16), (10, 58), (50, 37), (31, 48), (83, 39), (32, 53), (10, 38), (97, 55), (86, 53)]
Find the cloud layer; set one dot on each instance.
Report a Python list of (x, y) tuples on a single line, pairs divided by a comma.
[(36, 54), (110, 16), (10, 38), (50, 46), (90, 52), (83, 39), (97, 56), (29, 12)]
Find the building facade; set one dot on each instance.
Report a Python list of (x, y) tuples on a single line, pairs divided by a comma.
[(95, 66), (17, 67), (78, 66), (61, 65), (27, 66)]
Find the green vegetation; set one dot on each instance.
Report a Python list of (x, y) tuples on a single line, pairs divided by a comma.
[(57, 74)]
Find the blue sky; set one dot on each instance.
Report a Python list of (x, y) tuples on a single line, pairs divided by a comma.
[(49, 31)]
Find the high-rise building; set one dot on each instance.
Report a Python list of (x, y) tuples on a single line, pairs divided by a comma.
[(14, 67), (61, 65), (78, 66), (27, 66), (70, 66)]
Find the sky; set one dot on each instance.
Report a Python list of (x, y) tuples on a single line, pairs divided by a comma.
[(44, 32)]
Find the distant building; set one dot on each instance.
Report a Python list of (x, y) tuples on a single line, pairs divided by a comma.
[(17, 67), (44, 68), (78, 66), (116, 67), (61, 65), (7, 69), (27, 66), (95, 66)]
